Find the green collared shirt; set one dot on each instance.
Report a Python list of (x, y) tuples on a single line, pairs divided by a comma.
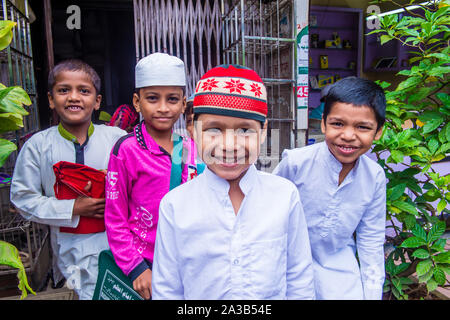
[(67, 135), (79, 149)]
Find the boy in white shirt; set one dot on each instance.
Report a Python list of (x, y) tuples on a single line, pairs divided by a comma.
[(233, 232), (74, 92), (344, 192)]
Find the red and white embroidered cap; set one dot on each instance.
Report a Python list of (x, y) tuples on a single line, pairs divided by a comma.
[(231, 90)]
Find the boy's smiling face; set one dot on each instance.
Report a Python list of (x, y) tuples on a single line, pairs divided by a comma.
[(228, 145), (350, 131), (160, 106), (74, 97)]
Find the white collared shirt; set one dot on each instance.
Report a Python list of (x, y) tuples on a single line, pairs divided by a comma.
[(333, 213), (32, 192), (205, 251)]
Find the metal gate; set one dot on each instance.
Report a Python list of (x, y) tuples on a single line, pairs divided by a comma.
[(188, 29), (260, 34)]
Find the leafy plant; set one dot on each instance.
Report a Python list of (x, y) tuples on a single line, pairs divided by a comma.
[(9, 255), (12, 100), (12, 112), (416, 135)]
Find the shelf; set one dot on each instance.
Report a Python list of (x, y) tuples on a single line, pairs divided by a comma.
[(384, 69), (348, 23), (334, 49), (333, 69), (332, 28)]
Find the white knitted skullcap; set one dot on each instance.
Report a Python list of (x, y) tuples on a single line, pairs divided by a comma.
[(160, 69)]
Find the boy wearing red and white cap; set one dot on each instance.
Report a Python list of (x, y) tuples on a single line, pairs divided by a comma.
[(234, 232)]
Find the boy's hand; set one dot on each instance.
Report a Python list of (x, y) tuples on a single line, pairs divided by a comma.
[(89, 207), (143, 284)]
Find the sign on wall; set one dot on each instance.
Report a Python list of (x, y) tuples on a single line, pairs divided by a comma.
[(302, 14)]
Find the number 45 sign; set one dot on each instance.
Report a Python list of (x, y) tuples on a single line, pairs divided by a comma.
[(302, 91)]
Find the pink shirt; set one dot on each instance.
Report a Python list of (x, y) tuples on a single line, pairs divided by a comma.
[(138, 178)]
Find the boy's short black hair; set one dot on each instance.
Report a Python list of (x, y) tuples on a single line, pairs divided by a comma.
[(359, 92), (73, 65)]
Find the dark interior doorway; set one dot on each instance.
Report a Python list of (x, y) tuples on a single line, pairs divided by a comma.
[(105, 40)]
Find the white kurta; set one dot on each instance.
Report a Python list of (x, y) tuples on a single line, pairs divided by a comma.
[(33, 194), (334, 213), (205, 251)]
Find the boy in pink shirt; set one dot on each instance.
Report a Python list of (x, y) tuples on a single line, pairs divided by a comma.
[(144, 165)]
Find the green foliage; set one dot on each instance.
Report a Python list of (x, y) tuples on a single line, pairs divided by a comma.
[(6, 33), (12, 100), (104, 116), (12, 112), (418, 196), (9, 255)]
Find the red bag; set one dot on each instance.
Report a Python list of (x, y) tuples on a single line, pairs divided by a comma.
[(71, 179)]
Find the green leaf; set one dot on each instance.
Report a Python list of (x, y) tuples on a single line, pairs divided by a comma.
[(12, 99), (445, 98), (439, 276), (9, 255), (385, 38), (404, 206), (433, 145), (430, 116), (390, 265), (431, 125), (442, 134), (427, 276), (431, 285), (6, 33), (423, 267), (402, 267), (441, 12), (410, 82), (442, 257), (104, 116), (439, 71), (432, 195), (447, 131), (445, 268), (10, 122), (397, 191), (437, 230), (413, 242), (405, 280), (419, 232), (421, 254), (397, 284), (441, 205), (410, 221), (439, 245), (414, 186), (444, 148), (6, 148), (397, 156)]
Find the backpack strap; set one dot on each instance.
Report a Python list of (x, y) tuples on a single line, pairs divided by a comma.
[(177, 161)]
